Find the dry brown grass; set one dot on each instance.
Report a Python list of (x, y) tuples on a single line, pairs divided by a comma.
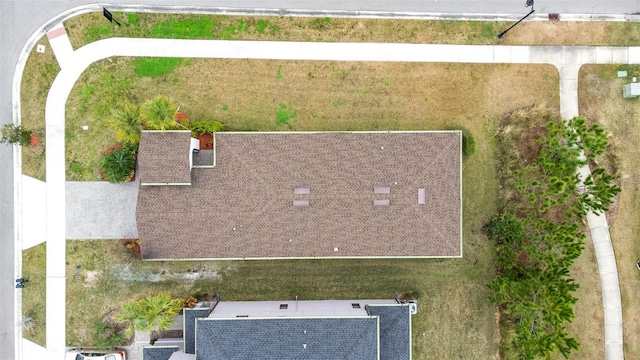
[(34, 294), (601, 101), (39, 72)]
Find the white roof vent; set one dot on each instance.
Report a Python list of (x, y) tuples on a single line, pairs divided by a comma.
[(304, 346), (335, 249)]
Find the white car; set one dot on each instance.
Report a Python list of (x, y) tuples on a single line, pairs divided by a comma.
[(95, 354)]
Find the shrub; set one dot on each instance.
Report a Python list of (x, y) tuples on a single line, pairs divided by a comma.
[(106, 335), (133, 246), (13, 134), (199, 295), (118, 165), (468, 143), (190, 302), (204, 127)]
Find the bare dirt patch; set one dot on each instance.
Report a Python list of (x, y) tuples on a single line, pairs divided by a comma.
[(124, 272)]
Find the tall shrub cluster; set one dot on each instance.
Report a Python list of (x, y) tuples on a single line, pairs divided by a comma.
[(538, 232)]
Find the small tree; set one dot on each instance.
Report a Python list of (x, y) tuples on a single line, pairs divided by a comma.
[(13, 134)]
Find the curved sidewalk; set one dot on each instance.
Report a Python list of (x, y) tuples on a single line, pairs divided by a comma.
[(73, 63)]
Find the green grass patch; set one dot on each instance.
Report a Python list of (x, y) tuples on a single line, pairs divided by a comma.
[(285, 114), (261, 25), (155, 67), (86, 93), (194, 27), (132, 18)]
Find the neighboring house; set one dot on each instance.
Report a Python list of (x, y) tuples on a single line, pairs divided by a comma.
[(327, 329), (301, 195)]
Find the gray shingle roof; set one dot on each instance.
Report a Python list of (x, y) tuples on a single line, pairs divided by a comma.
[(395, 330), (287, 338), (157, 352), (243, 208), (163, 157), (189, 318)]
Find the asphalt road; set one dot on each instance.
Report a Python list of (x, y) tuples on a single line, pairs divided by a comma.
[(19, 19)]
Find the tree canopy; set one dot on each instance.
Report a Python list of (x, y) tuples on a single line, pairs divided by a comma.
[(537, 233)]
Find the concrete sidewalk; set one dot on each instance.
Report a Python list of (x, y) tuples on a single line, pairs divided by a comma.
[(567, 59)]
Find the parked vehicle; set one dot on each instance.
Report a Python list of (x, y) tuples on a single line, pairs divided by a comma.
[(96, 354)]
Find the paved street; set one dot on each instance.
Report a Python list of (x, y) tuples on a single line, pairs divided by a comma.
[(22, 19)]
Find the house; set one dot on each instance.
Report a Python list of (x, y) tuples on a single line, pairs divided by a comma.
[(301, 195), (305, 329)]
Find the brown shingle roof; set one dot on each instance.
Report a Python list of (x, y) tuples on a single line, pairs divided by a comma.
[(243, 208), (163, 157)]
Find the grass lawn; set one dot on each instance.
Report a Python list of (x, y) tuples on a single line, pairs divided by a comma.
[(90, 27), (257, 95), (453, 300), (601, 101), (39, 72), (34, 294)]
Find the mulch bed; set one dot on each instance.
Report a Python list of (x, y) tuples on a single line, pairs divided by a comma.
[(169, 334), (206, 141)]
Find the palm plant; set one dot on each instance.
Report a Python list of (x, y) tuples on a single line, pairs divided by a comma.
[(151, 313), (157, 312), (159, 114), (128, 314), (127, 122)]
